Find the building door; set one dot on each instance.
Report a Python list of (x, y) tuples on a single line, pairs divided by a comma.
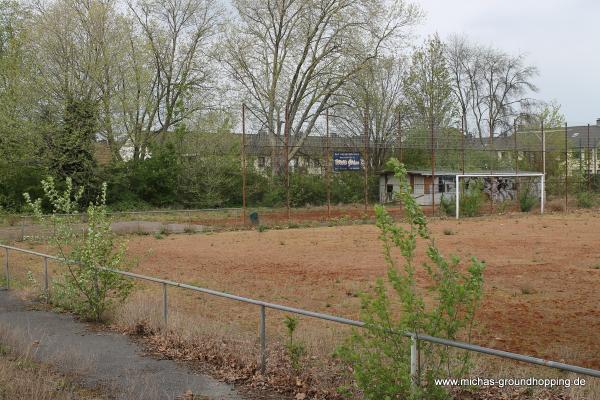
[(428, 184)]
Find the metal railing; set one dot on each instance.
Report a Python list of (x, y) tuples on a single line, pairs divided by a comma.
[(263, 305)]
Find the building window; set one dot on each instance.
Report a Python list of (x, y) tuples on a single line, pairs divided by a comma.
[(261, 162), (441, 186)]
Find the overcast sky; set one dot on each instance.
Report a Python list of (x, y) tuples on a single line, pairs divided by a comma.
[(560, 37)]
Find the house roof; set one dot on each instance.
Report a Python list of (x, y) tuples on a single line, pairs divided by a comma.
[(455, 172), (528, 141)]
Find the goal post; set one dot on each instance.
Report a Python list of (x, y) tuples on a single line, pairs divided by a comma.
[(501, 175)]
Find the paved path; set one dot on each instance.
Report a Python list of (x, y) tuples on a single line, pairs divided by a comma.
[(102, 358)]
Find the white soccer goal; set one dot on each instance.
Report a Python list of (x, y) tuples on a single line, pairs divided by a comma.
[(501, 175)]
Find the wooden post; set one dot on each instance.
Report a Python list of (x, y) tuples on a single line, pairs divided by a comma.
[(287, 161), (400, 136), (516, 152), (566, 168), (243, 164), (366, 162), (432, 169), (328, 165), (587, 156)]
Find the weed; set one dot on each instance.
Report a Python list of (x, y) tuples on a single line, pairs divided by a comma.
[(527, 200), (158, 236), (528, 290), (262, 228), (370, 353), (295, 349), (448, 232), (585, 200)]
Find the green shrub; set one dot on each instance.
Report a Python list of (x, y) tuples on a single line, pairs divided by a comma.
[(448, 205), (378, 354), (86, 288), (472, 200), (585, 200), (527, 200)]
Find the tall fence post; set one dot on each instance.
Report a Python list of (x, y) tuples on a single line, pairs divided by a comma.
[(566, 168), (327, 164), (366, 157), (243, 163), (46, 291), (165, 304), (263, 340), (414, 360), (22, 229)]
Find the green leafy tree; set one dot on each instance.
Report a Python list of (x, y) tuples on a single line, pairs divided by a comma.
[(87, 288), (379, 353), (70, 146), (428, 88)]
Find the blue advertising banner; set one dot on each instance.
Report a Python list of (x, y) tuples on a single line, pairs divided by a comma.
[(346, 161)]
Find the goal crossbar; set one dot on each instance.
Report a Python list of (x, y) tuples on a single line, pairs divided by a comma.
[(501, 175)]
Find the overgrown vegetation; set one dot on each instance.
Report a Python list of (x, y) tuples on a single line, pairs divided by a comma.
[(22, 378), (527, 200), (87, 288), (379, 354), (471, 201), (585, 200)]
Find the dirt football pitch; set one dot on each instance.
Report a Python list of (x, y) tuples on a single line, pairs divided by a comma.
[(542, 281)]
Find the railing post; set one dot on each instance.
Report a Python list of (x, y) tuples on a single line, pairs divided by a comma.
[(46, 291), (165, 304), (6, 270), (263, 340), (414, 361), (22, 228)]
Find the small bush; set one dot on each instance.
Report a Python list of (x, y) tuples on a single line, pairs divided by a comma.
[(87, 288), (472, 200), (379, 358), (447, 204), (585, 200), (527, 200), (262, 228)]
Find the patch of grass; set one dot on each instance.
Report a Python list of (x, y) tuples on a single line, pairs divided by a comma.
[(596, 266), (22, 378), (158, 236), (293, 225), (449, 232), (527, 201), (528, 290), (262, 228), (585, 200)]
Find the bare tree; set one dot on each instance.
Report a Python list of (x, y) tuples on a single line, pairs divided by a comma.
[(291, 56), (491, 86), (179, 35), (376, 91)]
